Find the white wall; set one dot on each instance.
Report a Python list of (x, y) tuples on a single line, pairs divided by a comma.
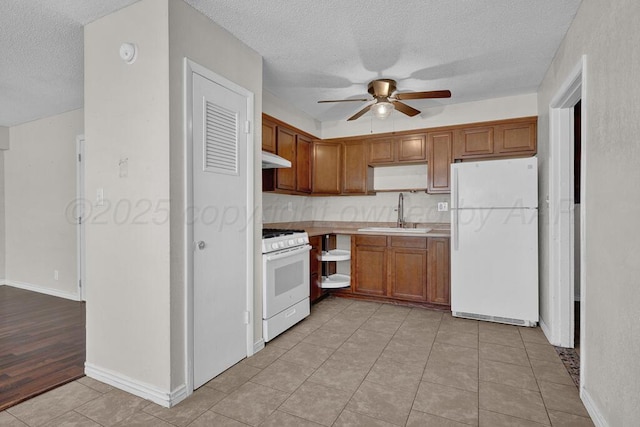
[(39, 196), (4, 138), (469, 112), (607, 33), (195, 36), (275, 107), (2, 221), (128, 255)]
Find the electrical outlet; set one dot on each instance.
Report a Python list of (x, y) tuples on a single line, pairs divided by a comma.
[(443, 206), (290, 206), (100, 197)]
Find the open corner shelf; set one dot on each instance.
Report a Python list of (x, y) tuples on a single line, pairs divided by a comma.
[(335, 255), (335, 281)]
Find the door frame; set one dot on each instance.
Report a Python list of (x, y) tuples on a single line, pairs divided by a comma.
[(560, 329), (189, 68), (80, 224)]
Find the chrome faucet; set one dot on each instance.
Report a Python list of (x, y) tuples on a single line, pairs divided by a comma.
[(400, 223)]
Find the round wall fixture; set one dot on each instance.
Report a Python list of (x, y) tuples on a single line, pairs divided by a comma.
[(128, 52)]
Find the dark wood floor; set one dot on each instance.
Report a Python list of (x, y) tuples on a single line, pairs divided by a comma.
[(42, 343)]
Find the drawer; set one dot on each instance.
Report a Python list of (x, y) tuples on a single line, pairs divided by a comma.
[(408, 242), (362, 240)]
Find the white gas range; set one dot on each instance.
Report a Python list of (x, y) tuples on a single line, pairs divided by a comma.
[(285, 280)]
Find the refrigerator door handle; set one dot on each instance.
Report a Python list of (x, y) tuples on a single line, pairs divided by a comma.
[(454, 209)]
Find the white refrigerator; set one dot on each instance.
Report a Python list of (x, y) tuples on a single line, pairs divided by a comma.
[(494, 240)]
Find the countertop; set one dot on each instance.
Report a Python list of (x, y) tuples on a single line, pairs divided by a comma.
[(317, 228)]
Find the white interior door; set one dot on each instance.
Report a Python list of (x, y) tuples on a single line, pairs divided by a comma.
[(219, 228)]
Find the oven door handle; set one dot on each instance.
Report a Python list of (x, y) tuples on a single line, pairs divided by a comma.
[(287, 253)]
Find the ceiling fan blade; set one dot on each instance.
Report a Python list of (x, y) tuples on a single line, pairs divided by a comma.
[(360, 113), (423, 95), (344, 100), (404, 108)]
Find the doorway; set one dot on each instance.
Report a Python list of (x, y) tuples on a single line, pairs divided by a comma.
[(220, 231), (567, 211)]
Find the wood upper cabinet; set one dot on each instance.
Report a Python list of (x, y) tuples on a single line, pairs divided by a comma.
[(327, 167), (286, 147), (474, 142), (407, 271), (369, 265), (518, 138), (357, 174), (438, 269), (397, 150), (268, 135), (303, 164), (411, 148), (381, 150), (509, 138), (440, 146)]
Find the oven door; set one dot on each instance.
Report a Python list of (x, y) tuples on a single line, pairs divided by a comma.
[(286, 279)]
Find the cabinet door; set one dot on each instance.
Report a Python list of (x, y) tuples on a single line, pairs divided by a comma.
[(369, 265), (381, 151), (316, 246), (411, 148), (439, 288), (407, 277), (327, 167), (358, 175), (474, 142), (268, 136), (440, 145), (303, 164), (286, 143), (516, 138)]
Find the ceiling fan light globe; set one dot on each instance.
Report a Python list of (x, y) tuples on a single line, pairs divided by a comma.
[(382, 110)]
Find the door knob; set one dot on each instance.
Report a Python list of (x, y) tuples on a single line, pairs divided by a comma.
[(201, 245)]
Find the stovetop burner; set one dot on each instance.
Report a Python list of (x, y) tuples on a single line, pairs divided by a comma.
[(275, 232)]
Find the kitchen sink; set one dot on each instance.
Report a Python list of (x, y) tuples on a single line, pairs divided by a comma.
[(396, 230)]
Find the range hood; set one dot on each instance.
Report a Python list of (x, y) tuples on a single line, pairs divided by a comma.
[(271, 161)]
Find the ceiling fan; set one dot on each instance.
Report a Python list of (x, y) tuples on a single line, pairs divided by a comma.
[(386, 100)]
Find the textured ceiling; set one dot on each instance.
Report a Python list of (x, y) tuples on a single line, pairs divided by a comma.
[(312, 50)]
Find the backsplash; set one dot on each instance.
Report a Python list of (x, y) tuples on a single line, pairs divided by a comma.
[(418, 207)]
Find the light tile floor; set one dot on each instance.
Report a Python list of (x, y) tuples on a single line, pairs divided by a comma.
[(353, 363)]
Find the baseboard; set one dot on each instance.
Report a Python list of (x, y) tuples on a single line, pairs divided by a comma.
[(258, 345), (42, 290), (546, 330), (136, 387), (592, 409)]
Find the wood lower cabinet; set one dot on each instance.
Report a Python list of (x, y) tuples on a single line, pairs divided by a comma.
[(315, 268), (327, 168), (411, 269), (438, 271), (407, 277), (369, 265)]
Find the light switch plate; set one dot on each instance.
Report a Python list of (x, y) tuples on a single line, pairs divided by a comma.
[(443, 206)]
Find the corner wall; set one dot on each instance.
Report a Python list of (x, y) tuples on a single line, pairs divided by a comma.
[(39, 196), (128, 237), (607, 33)]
